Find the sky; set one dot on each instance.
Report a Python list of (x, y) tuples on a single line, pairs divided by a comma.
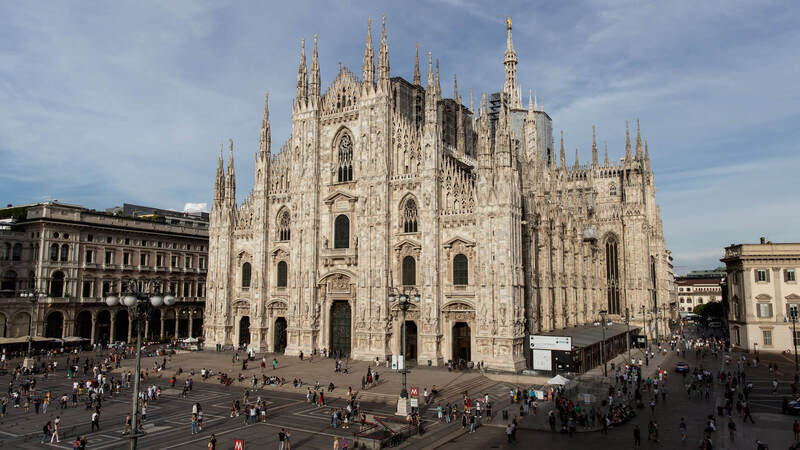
[(109, 102)]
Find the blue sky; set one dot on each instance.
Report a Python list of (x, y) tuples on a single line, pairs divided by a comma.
[(109, 102)]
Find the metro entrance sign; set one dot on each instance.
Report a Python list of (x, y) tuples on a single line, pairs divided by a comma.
[(414, 392), (238, 444), (539, 342)]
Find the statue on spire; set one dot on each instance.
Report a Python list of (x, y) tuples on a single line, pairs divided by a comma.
[(510, 88)]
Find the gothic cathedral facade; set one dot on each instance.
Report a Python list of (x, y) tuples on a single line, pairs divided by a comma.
[(385, 186)]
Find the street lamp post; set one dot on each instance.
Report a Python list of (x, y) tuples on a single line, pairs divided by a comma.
[(139, 300), (33, 295), (603, 344), (404, 299), (793, 318)]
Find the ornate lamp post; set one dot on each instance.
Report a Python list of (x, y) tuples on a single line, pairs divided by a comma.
[(603, 344), (404, 299), (139, 300), (33, 295)]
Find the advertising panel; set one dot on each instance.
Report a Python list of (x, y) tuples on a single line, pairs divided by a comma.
[(542, 360), (539, 342)]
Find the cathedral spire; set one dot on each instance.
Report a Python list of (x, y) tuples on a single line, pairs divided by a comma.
[(638, 141), (431, 94), (438, 86), (383, 58), (314, 84), (563, 155), (627, 142), (646, 155), (471, 102), (369, 59), (430, 73), (594, 147), (230, 182), (605, 146), (576, 159), (535, 102), (417, 81), (219, 181), (266, 134), (510, 61), (302, 75), (455, 89)]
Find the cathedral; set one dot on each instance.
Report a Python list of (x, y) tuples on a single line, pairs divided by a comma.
[(386, 187)]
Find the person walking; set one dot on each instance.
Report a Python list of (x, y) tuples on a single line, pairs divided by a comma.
[(54, 437), (95, 421), (46, 431), (683, 429), (746, 411), (212, 442), (637, 436), (282, 439), (194, 423), (336, 443)]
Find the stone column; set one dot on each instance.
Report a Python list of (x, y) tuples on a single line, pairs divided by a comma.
[(146, 329), (130, 326), (94, 325), (161, 332), (190, 323), (112, 327), (177, 323)]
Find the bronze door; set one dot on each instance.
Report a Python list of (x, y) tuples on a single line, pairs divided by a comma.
[(462, 345), (280, 335), (340, 328)]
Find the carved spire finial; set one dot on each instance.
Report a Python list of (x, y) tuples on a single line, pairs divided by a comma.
[(416, 64), (605, 146), (638, 140), (368, 66), (455, 88), (594, 146), (627, 141)]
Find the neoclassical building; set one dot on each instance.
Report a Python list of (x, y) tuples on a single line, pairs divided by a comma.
[(385, 184)]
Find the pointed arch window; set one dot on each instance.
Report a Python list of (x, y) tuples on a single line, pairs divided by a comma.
[(410, 216), (341, 232), (612, 190), (460, 270), (409, 271), (246, 272), (612, 275), (283, 274), (344, 170), (284, 230)]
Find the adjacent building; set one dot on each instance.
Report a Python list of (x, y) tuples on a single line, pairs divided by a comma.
[(699, 287), (763, 293), (77, 256)]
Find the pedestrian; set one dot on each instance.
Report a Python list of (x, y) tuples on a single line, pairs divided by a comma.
[(194, 423), (683, 429), (46, 431), (212, 442), (472, 423), (335, 443), (508, 432), (637, 436), (95, 421), (774, 385), (56, 423), (282, 439)]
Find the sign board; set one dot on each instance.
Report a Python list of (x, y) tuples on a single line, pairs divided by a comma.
[(414, 403), (539, 342), (401, 362), (542, 360), (414, 392), (539, 395), (394, 362), (639, 341), (238, 444)]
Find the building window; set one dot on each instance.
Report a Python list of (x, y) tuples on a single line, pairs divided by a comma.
[(109, 257), (159, 260), (410, 217), (612, 190), (201, 290), (87, 289), (126, 258), (762, 275), (202, 262), (788, 275), (764, 310), (89, 237), (283, 274), (106, 288), (144, 259), (345, 165), (681, 299), (409, 271), (173, 287), (341, 234), (460, 270), (57, 284), (796, 334), (187, 289), (612, 276), (54, 252), (767, 335), (246, 275), (174, 261), (16, 254), (188, 261), (89, 257), (5, 251), (284, 232)]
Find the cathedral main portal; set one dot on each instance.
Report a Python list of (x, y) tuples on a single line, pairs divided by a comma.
[(340, 328)]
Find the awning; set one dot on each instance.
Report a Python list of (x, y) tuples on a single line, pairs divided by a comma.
[(559, 380), (24, 339), (588, 335)]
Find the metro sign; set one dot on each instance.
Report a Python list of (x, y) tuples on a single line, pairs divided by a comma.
[(414, 391), (238, 444)]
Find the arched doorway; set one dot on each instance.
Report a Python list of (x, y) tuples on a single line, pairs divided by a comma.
[(121, 326), (244, 330), (411, 340), (340, 328), (55, 325), (83, 325), (19, 327), (57, 284), (103, 324), (280, 335), (461, 342), (154, 329)]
